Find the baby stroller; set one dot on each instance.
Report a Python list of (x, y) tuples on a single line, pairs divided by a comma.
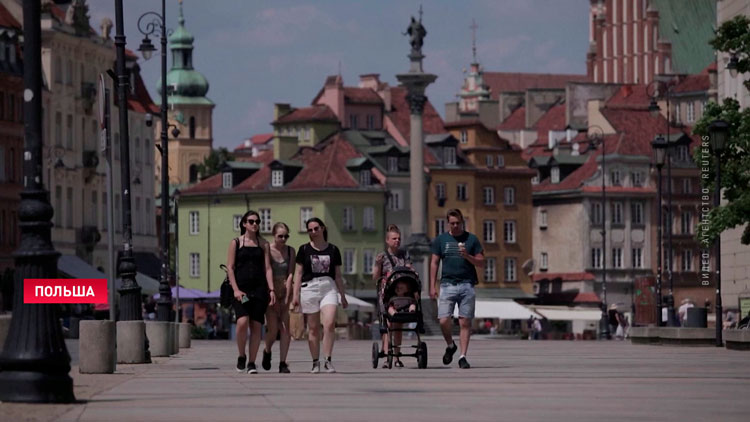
[(387, 290)]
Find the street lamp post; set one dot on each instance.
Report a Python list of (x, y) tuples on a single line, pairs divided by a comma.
[(35, 362), (130, 292), (659, 145), (596, 139), (654, 89), (719, 131), (146, 27)]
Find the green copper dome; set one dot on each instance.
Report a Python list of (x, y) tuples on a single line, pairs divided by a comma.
[(181, 36), (190, 86)]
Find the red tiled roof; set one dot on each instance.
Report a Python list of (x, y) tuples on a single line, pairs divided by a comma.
[(519, 82), (629, 96), (516, 120), (361, 96), (260, 139), (141, 101), (400, 114), (553, 119), (315, 113), (563, 276), (7, 20), (587, 297), (694, 83), (574, 180), (209, 185), (324, 167)]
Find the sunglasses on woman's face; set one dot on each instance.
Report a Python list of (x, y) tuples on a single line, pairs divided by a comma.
[(313, 229), (252, 221), (283, 236)]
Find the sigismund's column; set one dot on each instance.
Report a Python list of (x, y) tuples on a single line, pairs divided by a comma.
[(415, 82)]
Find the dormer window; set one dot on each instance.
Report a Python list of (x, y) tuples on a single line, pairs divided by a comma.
[(555, 175), (226, 180), (277, 178), (365, 177), (392, 164), (449, 156)]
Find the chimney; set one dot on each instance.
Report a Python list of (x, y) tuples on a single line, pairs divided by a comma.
[(333, 95), (280, 110), (370, 80)]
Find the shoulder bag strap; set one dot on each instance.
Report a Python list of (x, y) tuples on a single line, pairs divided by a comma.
[(390, 258)]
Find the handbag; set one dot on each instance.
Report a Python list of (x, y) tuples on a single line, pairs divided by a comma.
[(226, 293)]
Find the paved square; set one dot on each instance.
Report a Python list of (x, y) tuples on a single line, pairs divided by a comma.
[(509, 380)]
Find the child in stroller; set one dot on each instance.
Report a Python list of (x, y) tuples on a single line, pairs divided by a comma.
[(403, 300), (398, 305)]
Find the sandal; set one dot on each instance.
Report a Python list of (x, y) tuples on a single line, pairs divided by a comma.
[(398, 364)]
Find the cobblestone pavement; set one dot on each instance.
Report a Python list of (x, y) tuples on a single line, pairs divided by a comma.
[(509, 380)]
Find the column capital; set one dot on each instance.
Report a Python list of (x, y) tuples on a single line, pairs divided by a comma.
[(416, 102)]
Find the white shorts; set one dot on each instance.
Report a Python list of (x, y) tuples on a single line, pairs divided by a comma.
[(317, 293)]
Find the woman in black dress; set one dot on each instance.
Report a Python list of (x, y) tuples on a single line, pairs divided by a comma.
[(249, 270)]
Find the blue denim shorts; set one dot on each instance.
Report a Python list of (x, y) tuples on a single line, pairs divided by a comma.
[(461, 294)]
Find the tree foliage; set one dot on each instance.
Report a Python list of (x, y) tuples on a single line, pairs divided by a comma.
[(732, 37), (213, 162)]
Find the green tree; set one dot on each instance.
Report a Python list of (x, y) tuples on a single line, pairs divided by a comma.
[(732, 37), (213, 162)]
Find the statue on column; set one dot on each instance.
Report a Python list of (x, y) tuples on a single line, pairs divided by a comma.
[(416, 34)]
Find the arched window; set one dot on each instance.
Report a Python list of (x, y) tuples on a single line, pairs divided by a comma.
[(192, 127), (193, 173)]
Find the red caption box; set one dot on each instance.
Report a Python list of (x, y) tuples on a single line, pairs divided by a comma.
[(65, 290)]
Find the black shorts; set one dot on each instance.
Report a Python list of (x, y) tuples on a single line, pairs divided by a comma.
[(255, 308)]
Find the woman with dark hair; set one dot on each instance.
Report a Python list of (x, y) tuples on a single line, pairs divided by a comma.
[(277, 316), (251, 277), (385, 262), (318, 287)]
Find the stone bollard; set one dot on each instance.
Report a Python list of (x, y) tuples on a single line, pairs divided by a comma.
[(96, 347), (131, 342), (158, 334), (4, 328), (184, 335), (175, 338)]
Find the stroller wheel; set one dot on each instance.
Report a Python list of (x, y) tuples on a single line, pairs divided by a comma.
[(422, 355), (375, 355)]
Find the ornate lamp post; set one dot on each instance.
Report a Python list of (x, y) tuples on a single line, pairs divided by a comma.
[(157, 25), (719, 131), (659, 145), (596, 139), (35, 362), (130, 292), (655, 90)]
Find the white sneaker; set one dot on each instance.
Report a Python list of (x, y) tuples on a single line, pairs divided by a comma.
[(329, 367), (315, 368)]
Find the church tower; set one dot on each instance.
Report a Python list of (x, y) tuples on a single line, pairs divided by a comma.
[(189, 110)]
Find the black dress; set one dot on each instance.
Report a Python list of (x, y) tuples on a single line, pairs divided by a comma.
[(250, 274)]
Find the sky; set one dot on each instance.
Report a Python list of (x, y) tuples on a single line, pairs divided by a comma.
[(256, 53)]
